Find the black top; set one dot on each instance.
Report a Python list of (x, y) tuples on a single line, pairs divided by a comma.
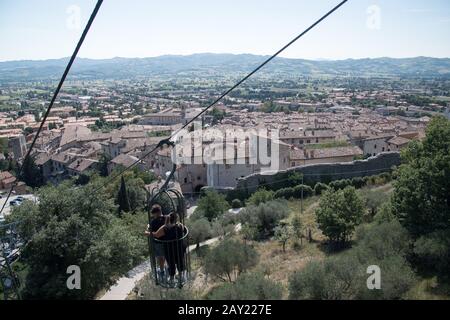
[(174, 232), (157, 223)]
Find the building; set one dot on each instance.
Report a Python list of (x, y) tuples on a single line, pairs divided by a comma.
[(167, 116), (6, 180), (18, 146), (191, 175), (376, 144), (122, 160), (227, 169), (397, 143), (81, 166), (301, 157), (305, 137)]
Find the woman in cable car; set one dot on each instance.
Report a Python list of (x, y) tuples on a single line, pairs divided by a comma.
[(174, 247)]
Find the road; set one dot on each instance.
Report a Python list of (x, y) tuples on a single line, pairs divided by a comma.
[(7, 209)]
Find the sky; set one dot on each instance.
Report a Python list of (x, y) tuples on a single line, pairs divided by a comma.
[(48, 29)]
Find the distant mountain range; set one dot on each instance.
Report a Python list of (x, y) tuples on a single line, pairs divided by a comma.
[(209, 64)]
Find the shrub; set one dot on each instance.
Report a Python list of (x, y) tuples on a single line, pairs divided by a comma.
[(345, 276), (199, 230), (378, 241), (432, 252), (282, 234), (358, 182), (340, 184), (374, 199), (230, 258), (384, 213), (385, 177), (260, 196), (331, 279), (319, 188), (252, 286), (264, 218), (236, 204), (295, 192), (307, 191), (286, 193)]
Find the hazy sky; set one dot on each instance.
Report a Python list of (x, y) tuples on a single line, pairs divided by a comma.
[(141, 28)]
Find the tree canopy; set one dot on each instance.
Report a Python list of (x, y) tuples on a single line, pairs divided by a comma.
[(211, 205), (68, 226), (229, 259), (421, 197), (339, 212)]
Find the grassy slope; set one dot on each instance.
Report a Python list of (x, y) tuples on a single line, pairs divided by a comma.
[(278, 265)]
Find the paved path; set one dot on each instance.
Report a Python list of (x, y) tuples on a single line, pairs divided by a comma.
[(126, 284), (190, 211)]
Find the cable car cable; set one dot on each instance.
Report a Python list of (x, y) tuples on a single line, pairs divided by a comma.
[(168, 141), (58, 88)]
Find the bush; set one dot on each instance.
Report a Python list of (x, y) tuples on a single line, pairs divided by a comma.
[(432, 252), (260, 196), (199, 230), (295, 192), (332, 279), (340, 184), (264, 218), (384, 177), (374, 199), (285, 193), (384, 213), (319, 188), (241, 194), (358, 182), (372, 180), (378, 241), (345, 276), (252, 286), (236, 204), (307, 191), (282, 234), (229, 259)]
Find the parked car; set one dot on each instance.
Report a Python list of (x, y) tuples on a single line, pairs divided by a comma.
[(13, 203)]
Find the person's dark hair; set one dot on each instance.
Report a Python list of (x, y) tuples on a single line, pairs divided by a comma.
[(156, 209), (172, 217)]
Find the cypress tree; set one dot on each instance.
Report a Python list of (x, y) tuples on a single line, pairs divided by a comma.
[(122, 197)]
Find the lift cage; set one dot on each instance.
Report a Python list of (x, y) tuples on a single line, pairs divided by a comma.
[(176, 251)]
